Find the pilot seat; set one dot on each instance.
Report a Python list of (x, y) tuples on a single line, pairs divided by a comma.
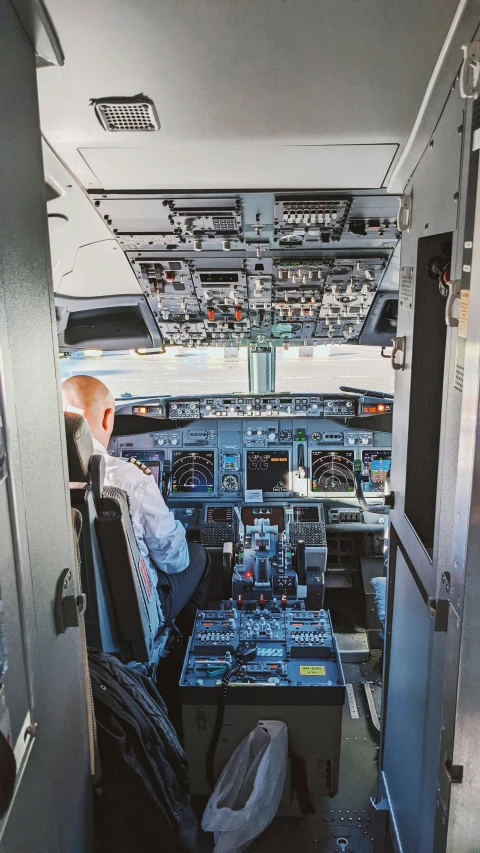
[(122, 616)]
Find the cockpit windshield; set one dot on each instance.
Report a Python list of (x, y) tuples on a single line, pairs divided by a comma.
[(180, 371)]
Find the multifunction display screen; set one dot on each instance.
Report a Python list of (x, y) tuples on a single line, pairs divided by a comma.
[(376, 465), (332, 470), (193, 472), (305, 513), (219, 513), (268, 470)]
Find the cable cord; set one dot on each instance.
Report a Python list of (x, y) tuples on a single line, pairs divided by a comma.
[(222, 701)]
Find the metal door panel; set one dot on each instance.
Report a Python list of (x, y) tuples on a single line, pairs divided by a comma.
[(51, 810), (410, 657)]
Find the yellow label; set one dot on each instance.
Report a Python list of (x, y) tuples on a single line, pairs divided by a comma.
[(463, 313), (312, 670)]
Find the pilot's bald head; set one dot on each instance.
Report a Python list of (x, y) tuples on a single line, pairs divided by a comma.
[(92, 399)]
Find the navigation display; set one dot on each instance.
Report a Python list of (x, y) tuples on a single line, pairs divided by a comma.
[(376, 465), (305, 513), (332, 470), (193, 472), (268, 470)]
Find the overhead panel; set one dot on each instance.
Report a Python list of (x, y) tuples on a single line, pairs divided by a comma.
[(258, 268)]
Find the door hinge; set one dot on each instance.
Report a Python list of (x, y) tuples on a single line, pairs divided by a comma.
[(68, 605), (453, 303), (404, 218), (454, 771), (470, 72), (439, 609)]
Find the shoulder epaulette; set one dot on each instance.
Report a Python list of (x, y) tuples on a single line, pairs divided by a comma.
[(140, 465)]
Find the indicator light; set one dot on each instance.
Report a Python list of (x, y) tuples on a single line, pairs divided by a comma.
[(248, 575)]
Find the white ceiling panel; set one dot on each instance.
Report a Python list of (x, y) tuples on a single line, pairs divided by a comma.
[(224, 74), (247, 166)]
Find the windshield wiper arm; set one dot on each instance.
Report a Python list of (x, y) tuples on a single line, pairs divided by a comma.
[(124, 398), (365, 392)]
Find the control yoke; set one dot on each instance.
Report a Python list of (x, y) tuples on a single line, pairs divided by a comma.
[(382, 509), (301, 562)]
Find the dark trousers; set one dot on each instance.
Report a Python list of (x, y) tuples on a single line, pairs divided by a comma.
[(181, 594)]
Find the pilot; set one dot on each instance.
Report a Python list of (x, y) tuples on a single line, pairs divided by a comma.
[(180, 570)]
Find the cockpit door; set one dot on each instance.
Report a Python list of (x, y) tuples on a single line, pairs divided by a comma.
[(435, 458), (43, 703)]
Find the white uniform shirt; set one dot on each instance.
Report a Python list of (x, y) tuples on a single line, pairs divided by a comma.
[(161, 539)]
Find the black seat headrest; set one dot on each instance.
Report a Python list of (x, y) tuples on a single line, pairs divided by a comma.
[(79, 447)]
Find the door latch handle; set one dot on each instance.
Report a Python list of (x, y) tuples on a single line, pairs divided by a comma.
[(68, 605), (398, 353)]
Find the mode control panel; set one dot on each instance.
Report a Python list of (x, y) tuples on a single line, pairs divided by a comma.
[(305, 405)]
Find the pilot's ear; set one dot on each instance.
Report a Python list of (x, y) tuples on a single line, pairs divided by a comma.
[(108, 419)]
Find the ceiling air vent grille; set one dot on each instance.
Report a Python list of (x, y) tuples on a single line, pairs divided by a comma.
[(120, 115)]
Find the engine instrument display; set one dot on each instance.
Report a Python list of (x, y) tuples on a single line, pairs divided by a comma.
[(274, 515), (332, 470), (376, 465), (268, 470), (193, 471)]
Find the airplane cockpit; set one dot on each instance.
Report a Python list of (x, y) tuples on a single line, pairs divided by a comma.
[(255, 226)]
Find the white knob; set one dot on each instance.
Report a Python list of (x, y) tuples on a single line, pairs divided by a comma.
[(174, 440), (351, 440), (259, 431), (249, 432), (365, 440), (160, 441)]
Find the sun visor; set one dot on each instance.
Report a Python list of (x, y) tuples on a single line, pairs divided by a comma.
[(243, 166), (100, 269)]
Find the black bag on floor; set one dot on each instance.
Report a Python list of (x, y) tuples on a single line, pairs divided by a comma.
[(143, 801)]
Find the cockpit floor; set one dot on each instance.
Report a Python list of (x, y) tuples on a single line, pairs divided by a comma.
[(345, 822)]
